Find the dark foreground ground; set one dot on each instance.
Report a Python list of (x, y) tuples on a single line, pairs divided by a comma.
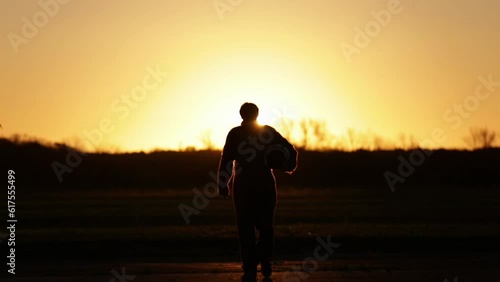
[(417, 233), (474, 267)]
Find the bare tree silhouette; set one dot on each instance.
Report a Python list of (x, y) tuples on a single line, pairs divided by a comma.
[(378, 143), (312, 134), (206, 139), (321, 135), (352, 139), (305, 128), (407, 142), (480, 138), (286, 127)]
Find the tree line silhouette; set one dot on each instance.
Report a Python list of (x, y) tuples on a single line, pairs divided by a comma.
[(311, 134), (33, 161)]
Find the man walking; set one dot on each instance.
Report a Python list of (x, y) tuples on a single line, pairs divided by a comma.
[(256, 150)]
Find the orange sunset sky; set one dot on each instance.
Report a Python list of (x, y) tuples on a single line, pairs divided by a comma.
[(157, 74)]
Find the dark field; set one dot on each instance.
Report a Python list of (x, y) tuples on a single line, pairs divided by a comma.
[(73, 232), (121, 213)]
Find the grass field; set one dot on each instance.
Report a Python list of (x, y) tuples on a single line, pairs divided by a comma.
[(366, 212), (413, 229)]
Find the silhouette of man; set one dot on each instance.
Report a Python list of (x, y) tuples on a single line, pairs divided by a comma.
[(254, 187)]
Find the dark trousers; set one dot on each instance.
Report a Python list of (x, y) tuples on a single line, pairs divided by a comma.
[(255, 203)]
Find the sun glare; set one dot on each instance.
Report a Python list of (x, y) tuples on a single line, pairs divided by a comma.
[(279, 86)]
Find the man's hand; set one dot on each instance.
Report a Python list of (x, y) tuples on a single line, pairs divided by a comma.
[(223, 192), (224, 176)]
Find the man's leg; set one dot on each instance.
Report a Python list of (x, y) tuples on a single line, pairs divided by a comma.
[(265, 226), (245, 218)]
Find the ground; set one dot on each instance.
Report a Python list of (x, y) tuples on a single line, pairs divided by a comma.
[(396, 268), (418, 233)]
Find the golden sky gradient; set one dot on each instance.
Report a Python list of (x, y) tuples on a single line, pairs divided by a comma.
[(192, 63)]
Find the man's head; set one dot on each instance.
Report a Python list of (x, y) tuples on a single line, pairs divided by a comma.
[(249, 112)]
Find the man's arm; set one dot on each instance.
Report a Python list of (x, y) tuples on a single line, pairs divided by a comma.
[(224, 175), (225, 167)]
